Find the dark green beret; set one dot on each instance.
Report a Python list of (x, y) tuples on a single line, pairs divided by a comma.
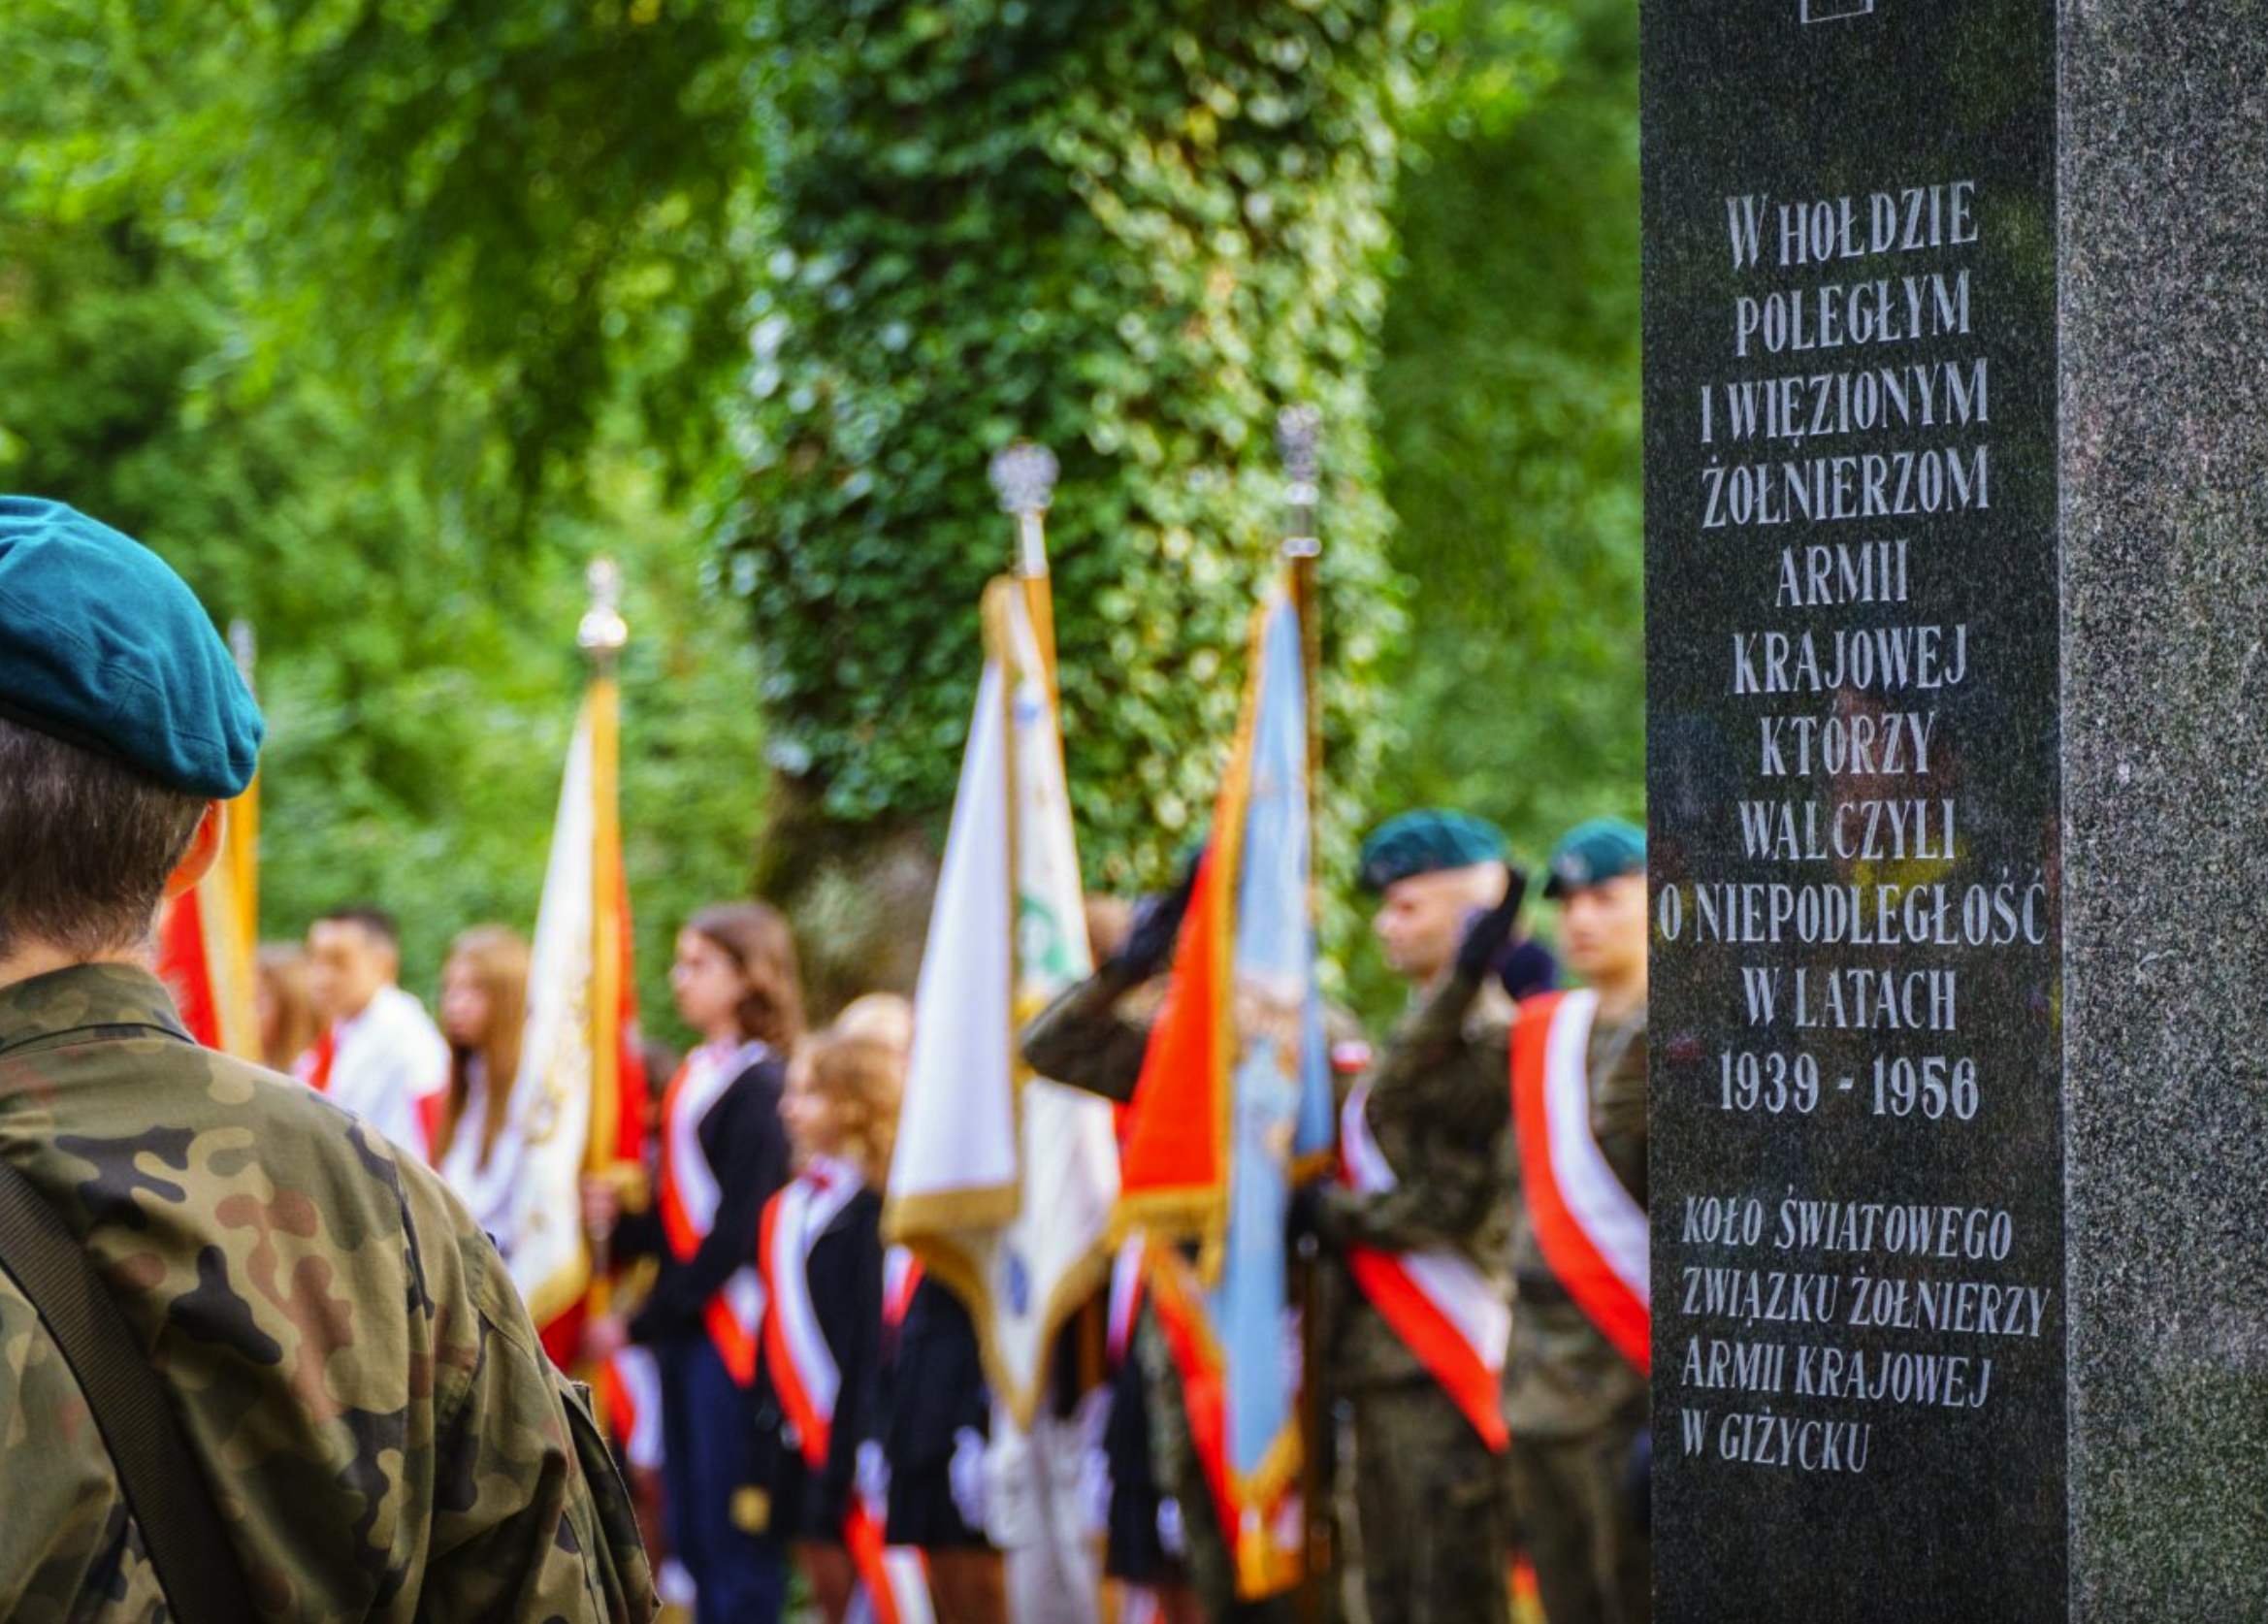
[(1592, 854), (102, 645), (1426, 842)]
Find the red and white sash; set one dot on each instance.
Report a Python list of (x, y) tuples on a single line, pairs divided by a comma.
[(895, 1581), (1592, 1231), (629, 1390), (901, 1277), (688, 1196), (1444, 1310)]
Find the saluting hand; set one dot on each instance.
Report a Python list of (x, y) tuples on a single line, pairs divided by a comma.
[(1157, 921), (1485, 937)]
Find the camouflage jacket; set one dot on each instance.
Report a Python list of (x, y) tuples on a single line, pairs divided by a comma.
[(1093, 1035), (1440, 1110), (1562, 1379), (383, 1434)]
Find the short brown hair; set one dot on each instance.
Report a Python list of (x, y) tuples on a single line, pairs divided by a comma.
[(759, 944), (88, 843), (282, 968)]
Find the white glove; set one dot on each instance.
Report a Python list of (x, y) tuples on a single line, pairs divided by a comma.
[(1094, 1491), (1014, 1515), (1093, 1465), (1170, 1532), (966, 1474), (872, 1477)]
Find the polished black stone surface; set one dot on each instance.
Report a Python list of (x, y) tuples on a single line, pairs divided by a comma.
[(1854, 775)]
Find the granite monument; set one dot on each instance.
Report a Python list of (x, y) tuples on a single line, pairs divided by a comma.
[(1957, 489)]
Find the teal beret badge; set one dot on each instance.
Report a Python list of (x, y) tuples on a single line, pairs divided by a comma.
[(1426, 842), (1592, 854)]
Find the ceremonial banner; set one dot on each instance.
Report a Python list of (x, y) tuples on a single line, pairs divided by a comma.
[(1235, 1096), (576, 1102), (207, 936), (1002, 1182)]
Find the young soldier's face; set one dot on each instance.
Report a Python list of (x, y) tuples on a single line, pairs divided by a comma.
[(1602, 929), (1422, 920)]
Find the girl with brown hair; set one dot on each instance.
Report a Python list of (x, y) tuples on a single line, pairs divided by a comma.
[(283, 1006), (483, 1009), (723, 1154)]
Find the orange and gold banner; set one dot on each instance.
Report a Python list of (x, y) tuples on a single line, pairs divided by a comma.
[(205, 940)]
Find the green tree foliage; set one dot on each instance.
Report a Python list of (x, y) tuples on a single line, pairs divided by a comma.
[(1510, 397), (1133, 232), (503, 223), (383, 316), (419, 681)]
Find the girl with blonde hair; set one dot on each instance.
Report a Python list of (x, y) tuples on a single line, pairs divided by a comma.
[(824, 1273)]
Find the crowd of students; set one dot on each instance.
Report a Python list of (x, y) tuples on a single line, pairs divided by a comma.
[(821, 1403), (796, 1398)]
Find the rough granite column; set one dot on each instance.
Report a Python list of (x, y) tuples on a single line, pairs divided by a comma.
[(2164, 406), (1957, 392)]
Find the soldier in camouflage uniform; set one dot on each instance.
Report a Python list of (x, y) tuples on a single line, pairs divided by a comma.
[(1428, 1487), (1577, 1407), (1428, 1493), (1093, 1037), (377, 1422)]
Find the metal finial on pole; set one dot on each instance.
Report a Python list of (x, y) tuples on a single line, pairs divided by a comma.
[(1299, 432), (1023, 477), (603, 630)]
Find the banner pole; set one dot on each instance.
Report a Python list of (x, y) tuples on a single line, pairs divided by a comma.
[(602, 635), (1298, 433)]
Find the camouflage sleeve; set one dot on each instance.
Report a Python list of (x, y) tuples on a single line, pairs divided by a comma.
[(1445, 1066), (1618, 1115), (1082, 1040), (1443, 1088), (68, 1551), (530, 1518), (1450, 1180)]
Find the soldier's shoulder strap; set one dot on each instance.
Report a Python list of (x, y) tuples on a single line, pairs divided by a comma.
[(166, 1490)]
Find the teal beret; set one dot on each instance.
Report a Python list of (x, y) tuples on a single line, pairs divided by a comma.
[(1425, 842), (104, 646), (1592, 854)]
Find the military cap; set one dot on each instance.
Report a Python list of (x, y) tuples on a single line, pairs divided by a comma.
[(1425, 842), (104, 646), (1594, 853)]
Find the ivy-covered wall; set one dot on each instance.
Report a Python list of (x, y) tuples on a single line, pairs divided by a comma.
[(1133, 230)]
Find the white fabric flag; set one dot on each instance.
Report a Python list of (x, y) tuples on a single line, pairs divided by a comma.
[(550, 1117), (1003, 1183)]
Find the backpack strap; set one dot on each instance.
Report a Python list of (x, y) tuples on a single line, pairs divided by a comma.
[(166, 1489)]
